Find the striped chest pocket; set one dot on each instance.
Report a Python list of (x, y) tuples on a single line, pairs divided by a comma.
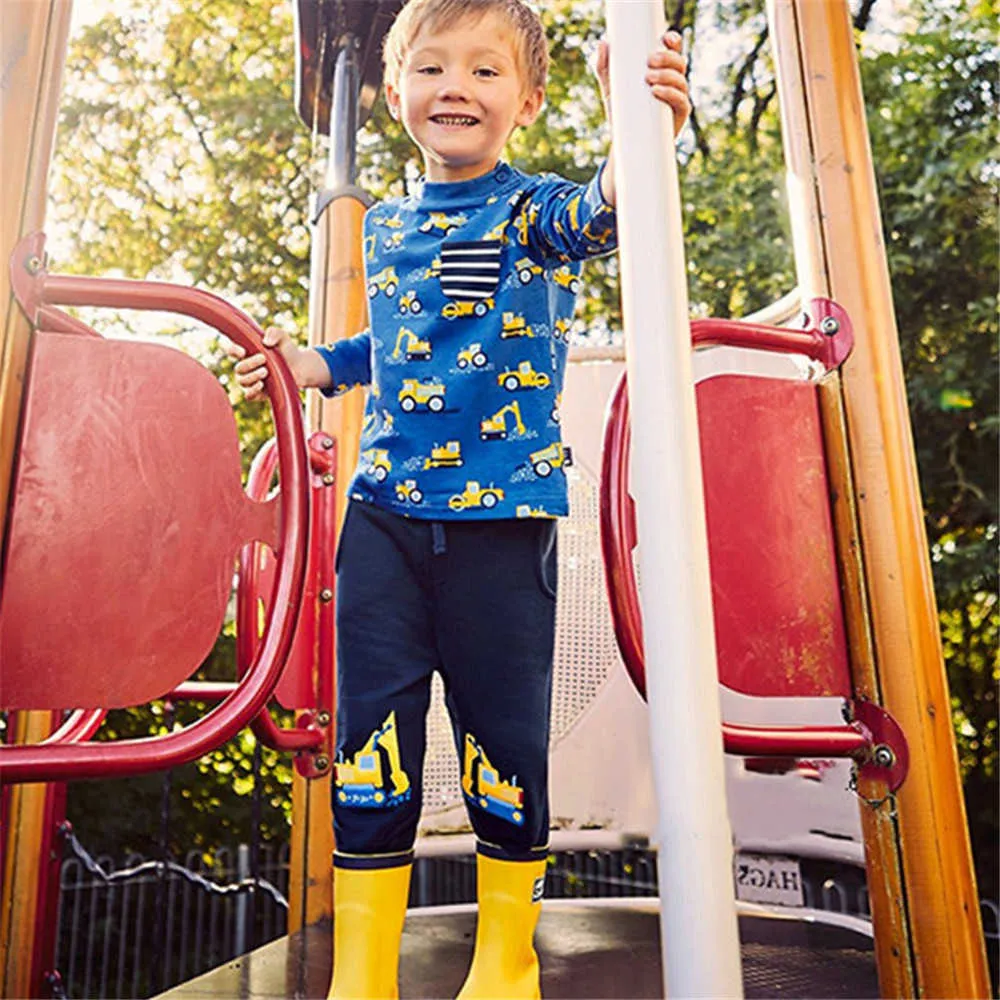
[(470, 269)]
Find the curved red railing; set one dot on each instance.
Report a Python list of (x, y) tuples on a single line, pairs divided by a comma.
[(827, 338), (259, 478), (37, 292)]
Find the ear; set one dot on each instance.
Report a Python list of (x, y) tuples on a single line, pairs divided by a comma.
[(392, 100), (530, 108)]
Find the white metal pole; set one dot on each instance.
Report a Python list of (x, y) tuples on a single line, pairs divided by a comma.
[(700, 941)]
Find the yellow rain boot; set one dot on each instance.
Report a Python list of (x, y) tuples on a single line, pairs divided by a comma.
[(504, 963), (369, 906)]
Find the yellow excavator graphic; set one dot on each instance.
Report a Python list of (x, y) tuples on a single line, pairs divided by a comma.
[(495, 427), (444, 456), (481, 784), (360, 781), (416, 349)]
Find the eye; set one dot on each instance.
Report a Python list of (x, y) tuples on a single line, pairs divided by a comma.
[(486, 72), (428, 70)]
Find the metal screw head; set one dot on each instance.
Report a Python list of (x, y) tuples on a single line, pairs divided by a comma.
[(328, 479), (323, 718), (882, 756), (327, 443), (829, 326), (33, 265), (326, 595), (322, 763)]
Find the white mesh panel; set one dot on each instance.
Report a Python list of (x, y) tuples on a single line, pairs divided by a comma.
[(585, 650)]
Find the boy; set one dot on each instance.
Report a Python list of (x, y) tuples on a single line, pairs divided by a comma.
[(447, 557)]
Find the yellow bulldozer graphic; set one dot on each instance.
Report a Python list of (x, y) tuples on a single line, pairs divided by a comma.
[(361, 781), (444, 456), (515, 326), (482, 785), (495, 427)]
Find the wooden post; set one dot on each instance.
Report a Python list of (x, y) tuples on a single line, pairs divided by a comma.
[(929, 939)]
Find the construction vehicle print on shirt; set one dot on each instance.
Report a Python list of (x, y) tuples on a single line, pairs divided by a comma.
[(409, 303), (483, 786), (473, 355), (414, 349), (385, 281), (565, 278), (526, 269), (434, 271), (475, 495), (441, 220), (555, 415), (377, 463), (523, 377), (526, 510), (497, 232), (361, 781), (390, 222), (495, 428), (471, 307), (524, 221), (409, 492), (428, 393), (560, 330), (394, 241), (444, 456), (515, 326), (555, 456)]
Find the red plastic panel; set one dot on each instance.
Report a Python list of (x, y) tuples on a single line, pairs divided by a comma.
[(778, 614), (122, 542)]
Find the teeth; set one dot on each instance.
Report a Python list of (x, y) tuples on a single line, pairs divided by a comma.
[(454, 120)]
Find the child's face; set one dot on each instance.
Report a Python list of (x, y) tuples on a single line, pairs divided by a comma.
[(461, 92)]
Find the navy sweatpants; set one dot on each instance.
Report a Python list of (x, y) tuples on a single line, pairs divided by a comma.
[(475, 601)]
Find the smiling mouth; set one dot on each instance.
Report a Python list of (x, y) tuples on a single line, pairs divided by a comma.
[(455, 121)]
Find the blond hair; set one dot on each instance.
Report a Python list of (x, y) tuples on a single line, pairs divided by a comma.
[(437, 15)]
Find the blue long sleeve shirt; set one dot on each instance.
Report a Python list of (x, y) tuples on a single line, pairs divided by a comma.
[(471, 291)]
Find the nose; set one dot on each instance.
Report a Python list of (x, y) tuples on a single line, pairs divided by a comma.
[(451, 87)]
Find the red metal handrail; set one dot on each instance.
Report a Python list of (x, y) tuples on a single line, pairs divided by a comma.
[(827, 338), (35, 290)]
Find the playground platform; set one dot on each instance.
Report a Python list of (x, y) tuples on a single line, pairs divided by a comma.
[(597, 949)]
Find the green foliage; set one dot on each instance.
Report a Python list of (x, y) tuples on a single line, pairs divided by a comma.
[(180, 156)]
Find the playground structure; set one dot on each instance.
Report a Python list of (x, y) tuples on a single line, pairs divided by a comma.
[(871, 579)]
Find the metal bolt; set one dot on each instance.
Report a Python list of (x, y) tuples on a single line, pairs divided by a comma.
[(328, 479), (323, 718), (882, 756), (326, 595), (327, 443), (33, 265), (322, 763), (830, 326)]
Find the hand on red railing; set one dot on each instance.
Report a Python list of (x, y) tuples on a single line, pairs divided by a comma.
[(307, 367)]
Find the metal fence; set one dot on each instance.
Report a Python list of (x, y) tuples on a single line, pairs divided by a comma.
[(145, 926), (135, 929)]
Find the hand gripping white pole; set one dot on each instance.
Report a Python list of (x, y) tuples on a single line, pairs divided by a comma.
[(700, 941)]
